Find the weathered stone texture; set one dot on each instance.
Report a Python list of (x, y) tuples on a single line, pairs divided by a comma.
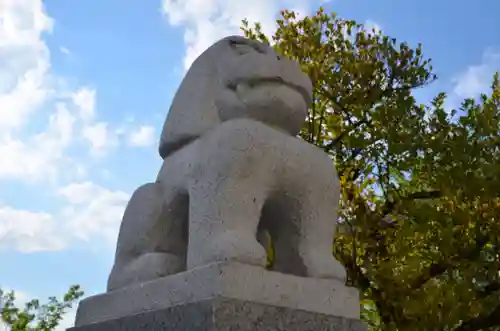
[(223, 280), (189, 254), (227, 315), (233, 167)]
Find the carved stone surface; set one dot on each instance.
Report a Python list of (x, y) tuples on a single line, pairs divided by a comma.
[(223, 280), (236, 78), (233, 166), (223, 314), (232, 170)]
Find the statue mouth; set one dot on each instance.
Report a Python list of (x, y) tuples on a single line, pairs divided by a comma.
[(253, 82)]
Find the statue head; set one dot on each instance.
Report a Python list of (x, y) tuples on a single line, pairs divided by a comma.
[(236, 78)]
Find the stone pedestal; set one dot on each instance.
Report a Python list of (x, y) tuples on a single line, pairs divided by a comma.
[(224, 296)]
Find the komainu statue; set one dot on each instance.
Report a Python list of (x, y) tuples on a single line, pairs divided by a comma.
[(232, 168)]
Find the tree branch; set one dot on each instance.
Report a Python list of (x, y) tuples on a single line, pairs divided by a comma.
[(439, 268), (390, 205), (481, 322), (424, 195), (337, 139), (320, 125), (385, 93), (489, 289)]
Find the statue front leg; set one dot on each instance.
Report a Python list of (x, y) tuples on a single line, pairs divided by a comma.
[(302, 213), (315, 245), (223, 219), (228, 188), (317, 191)]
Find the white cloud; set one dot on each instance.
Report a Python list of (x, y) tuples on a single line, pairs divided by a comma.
[(29, 92), (100, 138), (64, 50), (90, 212), (476, 79), (40, 155), (41, 121), (27, 231), (84, 99), (93, 210), (206, 21), (25, 86), (142, 136), (99, 135), (24, 60)]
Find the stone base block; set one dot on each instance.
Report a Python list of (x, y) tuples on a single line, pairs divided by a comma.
[(223, 314), (224, 296)]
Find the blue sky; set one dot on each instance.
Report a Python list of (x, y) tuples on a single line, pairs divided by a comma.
[(85, 87)]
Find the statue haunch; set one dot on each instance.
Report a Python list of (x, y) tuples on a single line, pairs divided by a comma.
[(232, 166)]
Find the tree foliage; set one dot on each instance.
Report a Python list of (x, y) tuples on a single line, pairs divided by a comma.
[(36, 316), (419, 214)]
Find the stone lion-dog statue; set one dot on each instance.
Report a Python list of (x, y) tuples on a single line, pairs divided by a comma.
[(232, 168)]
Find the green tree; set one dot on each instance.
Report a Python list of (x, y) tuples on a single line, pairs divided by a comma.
[(418, 226), (36, 316)]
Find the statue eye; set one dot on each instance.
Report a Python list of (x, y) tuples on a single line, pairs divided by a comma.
[(241, 48)]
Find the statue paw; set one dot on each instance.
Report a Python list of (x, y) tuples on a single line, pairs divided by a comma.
[(233, 246), (325, 266), (146, 267)]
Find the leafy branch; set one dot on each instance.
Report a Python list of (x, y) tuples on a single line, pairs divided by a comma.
[(36, 316)]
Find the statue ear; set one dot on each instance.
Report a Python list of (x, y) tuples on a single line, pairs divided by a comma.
[(192, 112)]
